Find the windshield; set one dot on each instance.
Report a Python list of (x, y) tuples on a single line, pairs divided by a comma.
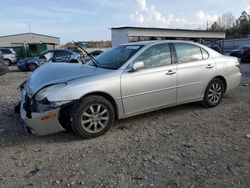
[(116, 57)]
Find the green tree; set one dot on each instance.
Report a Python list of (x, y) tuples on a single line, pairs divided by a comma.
[(243, 24), (215, 27)]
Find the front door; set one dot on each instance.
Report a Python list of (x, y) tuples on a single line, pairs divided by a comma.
[(152, 86)]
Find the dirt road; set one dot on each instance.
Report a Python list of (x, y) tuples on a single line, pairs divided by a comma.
[(184, 146)]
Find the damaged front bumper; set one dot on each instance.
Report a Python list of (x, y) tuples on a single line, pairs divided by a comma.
[(40, 123)]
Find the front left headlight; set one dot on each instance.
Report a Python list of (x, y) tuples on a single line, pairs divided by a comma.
[(46, 91)]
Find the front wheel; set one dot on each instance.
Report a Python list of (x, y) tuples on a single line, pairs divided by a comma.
[(214, 93), (7, 62), (32, 66), (93, 116)]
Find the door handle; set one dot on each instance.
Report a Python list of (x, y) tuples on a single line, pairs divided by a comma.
[(209, 66), (170, 72)]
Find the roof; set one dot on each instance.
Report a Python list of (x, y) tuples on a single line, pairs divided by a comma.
[(151, 42), (167, 29), (61, 49), (29, 33)]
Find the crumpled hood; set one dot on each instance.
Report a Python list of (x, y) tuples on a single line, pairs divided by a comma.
[(53, 73)]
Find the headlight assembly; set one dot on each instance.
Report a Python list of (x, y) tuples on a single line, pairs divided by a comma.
[(43, 93)]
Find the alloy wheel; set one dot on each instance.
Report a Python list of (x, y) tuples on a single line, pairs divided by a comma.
[(95, 118), (215, 93)]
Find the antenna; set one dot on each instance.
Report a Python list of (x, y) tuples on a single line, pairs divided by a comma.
[(29, 28)]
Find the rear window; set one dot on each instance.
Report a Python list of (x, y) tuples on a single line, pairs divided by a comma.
[(188, 52)]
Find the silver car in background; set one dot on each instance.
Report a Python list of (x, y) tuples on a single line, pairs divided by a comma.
[(128, 80), (9, 55)]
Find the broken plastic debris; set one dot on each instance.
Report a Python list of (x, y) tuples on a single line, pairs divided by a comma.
[(248, 135)]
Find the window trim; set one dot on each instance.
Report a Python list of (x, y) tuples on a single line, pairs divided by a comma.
[(206, 52), (177, 60)]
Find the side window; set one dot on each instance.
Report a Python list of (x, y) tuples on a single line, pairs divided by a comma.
[(6, 51), (187, 52), (49, 56), (155, 56), (204, 54), (62, 56)]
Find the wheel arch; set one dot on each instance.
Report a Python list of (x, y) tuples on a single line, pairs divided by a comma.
[(106, 96), (222, 78), (7, 60)]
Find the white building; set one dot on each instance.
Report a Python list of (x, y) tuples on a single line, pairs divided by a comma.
[(29, 38), (122, 35)]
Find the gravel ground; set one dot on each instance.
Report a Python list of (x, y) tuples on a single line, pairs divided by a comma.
[(184, 146)]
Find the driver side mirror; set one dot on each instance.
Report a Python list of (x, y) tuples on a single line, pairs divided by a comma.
[(137, 65)]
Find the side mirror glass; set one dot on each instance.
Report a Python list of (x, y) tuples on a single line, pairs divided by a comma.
[(137, 65)]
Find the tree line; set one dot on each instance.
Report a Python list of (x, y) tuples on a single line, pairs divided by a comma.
[(91, 44), (234, 28)]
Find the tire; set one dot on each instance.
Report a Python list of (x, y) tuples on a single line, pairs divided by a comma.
[(32, 66), (17, 108), (7, 62), (93, 116), (214, 93)]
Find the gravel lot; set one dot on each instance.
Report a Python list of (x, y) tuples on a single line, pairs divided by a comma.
[(184, 146)]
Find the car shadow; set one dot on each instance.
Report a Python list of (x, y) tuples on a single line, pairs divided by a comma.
[(14, 132)]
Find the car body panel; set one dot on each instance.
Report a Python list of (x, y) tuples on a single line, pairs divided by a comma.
[(193, 78), (36, 124), (226, 68), (55, 73), (133, 92), (139, 86)]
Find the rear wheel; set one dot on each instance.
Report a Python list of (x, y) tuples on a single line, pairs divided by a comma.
[(93, 116), (214, 93)]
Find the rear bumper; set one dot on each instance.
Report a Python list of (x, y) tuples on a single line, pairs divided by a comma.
[(38, 124)]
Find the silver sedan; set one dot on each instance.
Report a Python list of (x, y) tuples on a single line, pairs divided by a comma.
[(128, 80)]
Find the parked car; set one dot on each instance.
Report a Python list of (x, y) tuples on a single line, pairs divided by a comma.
[(215, 46), (9, 55), (96, 52), (49, 56), (128, 80), (93, 54), (3, 66), (242, 52)]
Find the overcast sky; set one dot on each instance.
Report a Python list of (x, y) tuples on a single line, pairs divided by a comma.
[(92, 19)]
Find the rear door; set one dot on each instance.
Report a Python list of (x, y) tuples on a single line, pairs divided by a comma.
[(195, 69)]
